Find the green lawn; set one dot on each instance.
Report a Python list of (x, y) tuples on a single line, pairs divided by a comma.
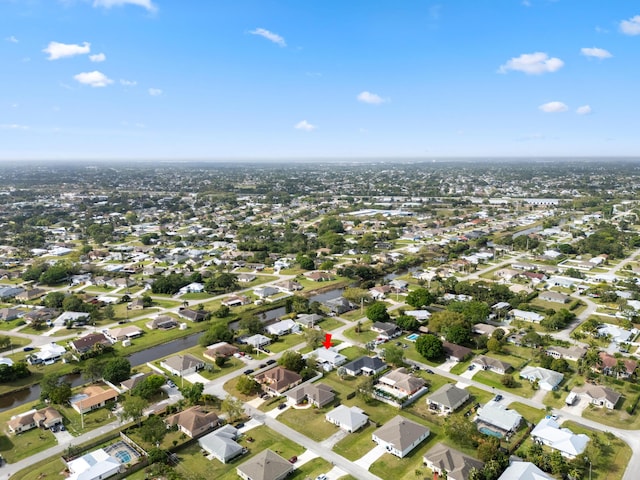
[(23, 445), (330, 323), (355, 445), (491, 379), (530, 414), (365, 335), (312, 420), (286, 342)]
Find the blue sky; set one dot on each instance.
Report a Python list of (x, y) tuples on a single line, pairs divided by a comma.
[(220, 79)]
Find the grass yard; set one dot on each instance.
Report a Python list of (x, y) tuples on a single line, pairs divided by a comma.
[(530, 414), (286, 342), (365, 335), (355, 445), (23, 445), (51, 469), (194, 463), (311, 420), (330, 323), (92, 420), (491, 379)]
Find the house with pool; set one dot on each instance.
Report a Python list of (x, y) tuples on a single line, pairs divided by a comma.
[(496, 420)]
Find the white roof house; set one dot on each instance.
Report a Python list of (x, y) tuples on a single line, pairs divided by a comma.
[(617, 334), (194, 287), (283, 327), (329, 358), (497, 415), (420, 315), (50, 352), (524, 471), (548, 432), (93, 466), (221, 443), (527, 316), (547, 379), (258, 340), (349, 419)]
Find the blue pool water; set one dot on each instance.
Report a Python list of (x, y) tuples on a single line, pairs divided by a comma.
[(413, 337), (123, 456), (488, 431)]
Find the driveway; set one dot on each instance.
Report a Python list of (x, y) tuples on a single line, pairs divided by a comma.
[(371, 456), (448, 365), (306, 456), (469, 373), (578, 407), (63, 437), (196, 378)]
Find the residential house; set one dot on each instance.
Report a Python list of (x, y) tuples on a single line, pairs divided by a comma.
[(96, 465), (89, 342), (9, 291), (327, 358), (194, 287), (48, 354), (569, 353), (220, 349), (620, 367), (137, 304), (496, 417), (193, 315), (554, 297), (380, 292), (222, 444), (526, 316), (246, 277), (266, 291), (44, 418), (448, 398), (547, 379), (441, 460), (72, 318), (365, 365), (123, 333), (309, 320), (349, 419), (598, 395), (8, 314), (524, 471), (257, 341), (339, 305), (318, 276), (548, 432), (266, 465), (194, 421), (493, 364), (29, 295), (162, 322), (92, 398), (386, 330), (400, 435), (616, 334), (483, 329), (400, 385), (283, 327), (278, 380), (235, 301), (182, 365), (316, 394), (420, 315), (288, 286), (399, 285), (456, 352), (131, 383)]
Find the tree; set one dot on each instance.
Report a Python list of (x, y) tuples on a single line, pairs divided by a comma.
[(461, 431), (109, 312), (532, 339), (48, 383), (357, 296), (420, 297), (192, 393), (218, 332), (60, 394), (494, 345), (233, 407), (306, 263), (508, 381), (116, 370), (73, 303), (153, 430), (393, 355), (377, 312), (148, 387), (252, 324), (93, 369), (222, 312), (132, 408), (474, 311), (247, 385), (430, 347), (220, 361), (407, 322), (458, 334), (292, 361), (365, 389), (440, 321), (54, 299), (488, 448), (314, 337)]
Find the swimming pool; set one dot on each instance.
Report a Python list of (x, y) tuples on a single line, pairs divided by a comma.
[(123, 452), (488, 431), (123, 456), (413, 337)]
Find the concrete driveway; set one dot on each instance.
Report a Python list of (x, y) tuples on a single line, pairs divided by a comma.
[(469, 373), (196, 378), (63, 437), (371, 456)]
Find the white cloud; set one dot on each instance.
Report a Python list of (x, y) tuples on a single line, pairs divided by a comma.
[(553, 107), (128, 83), (148, 4), (13, 126), (371, 98), (532, 64), (95, 79), (305, 126), (631, 26), (58, 50), (583, 110), (98, 57), (600, 53), (155, 92), (273, 37), (12, 39)]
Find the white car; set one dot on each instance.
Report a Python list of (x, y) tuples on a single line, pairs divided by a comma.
[(322, 476)]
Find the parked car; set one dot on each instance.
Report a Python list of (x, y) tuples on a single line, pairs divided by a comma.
[(248, 357), (293, 459), (498, 398), (239, 425), (27, 349), (471, 367), (271, 361), (282, 406), (62, 429), (428, 370), (248, 371), (322, 476), (262, 365)]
